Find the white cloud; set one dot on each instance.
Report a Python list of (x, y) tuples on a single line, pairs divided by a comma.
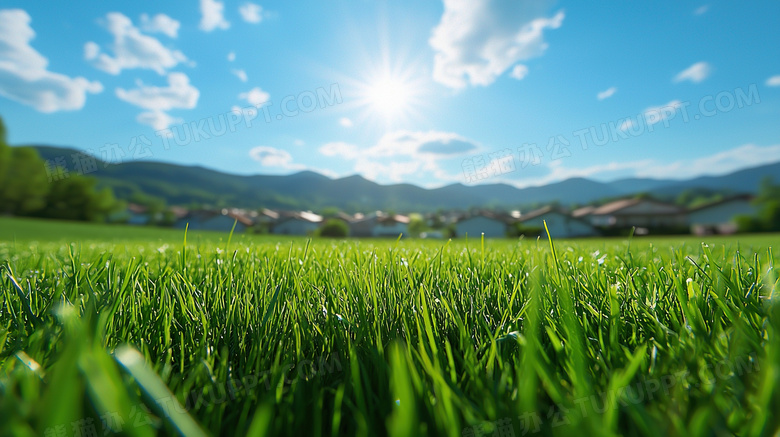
[(421, 144), (559, 172), (346, 122), (395, 171), (657, 114), (519, 72), (231, 56), (160, 23), (24, 74), (627, 125), (241, 75), (91, 50), (211, 16), (695, 73), (251, 13), (720, 163), (255, 97), (249, 113), (299, 142), (131, 48), (340, 149), (727, 161), (252, 111), (478, 40), (179, 94), (158, 120), (653, 115), (607, 93), (278, 158), (401, 153), (773, 81), (272, 157), (701, 10)]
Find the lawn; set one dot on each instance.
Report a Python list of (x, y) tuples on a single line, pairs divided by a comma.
[(139, 331)]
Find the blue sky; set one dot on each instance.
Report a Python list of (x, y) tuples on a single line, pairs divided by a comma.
[(429, 93)]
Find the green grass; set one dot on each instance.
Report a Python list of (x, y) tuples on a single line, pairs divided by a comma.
[(253, 335), (41, 230)]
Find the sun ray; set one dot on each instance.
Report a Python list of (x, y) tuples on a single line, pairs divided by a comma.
[(390, 96)]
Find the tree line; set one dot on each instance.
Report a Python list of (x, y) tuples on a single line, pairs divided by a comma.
[(31, 187), (768, 210)]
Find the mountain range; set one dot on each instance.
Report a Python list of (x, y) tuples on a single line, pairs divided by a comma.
[(187, 185)]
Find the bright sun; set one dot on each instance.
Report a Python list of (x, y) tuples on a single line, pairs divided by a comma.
[(389, 96)]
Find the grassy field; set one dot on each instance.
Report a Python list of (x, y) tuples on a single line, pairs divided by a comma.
[(139, 331)]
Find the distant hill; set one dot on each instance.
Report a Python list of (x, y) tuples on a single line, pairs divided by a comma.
[(184, 185)]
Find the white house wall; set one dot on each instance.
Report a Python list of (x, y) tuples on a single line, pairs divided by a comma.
[(648, 208), (393, 230), (722, 213), (295, 227), (475, 226), (561, 226), (217, 223)]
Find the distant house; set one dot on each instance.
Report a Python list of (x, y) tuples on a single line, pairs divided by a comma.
[(297, 223), (214, 220), (450, 217), (432, 234), (584, 212), (178, 212), (391, 226), (560, 224), (346, 218), (718, 217), (645, 213), (379, 224), (363, 224), (267, 216), (482, 223), (265, 219), (137, 214), (440, 219)]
